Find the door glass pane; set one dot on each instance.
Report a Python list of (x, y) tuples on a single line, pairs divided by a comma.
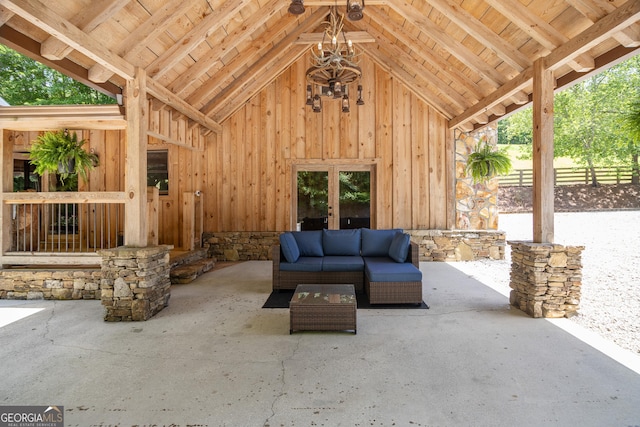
[(313, 200), (355, 199)]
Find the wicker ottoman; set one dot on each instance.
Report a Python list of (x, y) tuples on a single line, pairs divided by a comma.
[(323, 308)]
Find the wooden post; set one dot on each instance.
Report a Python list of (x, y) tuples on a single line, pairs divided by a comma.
[(543, 187), (136, 160), (6, 186)]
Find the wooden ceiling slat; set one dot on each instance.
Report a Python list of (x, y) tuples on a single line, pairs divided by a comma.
[(594, 11), (256, 70), (87, 20), (182, 47), (538, 29), (456, 49), (130, 47), (181, 84)]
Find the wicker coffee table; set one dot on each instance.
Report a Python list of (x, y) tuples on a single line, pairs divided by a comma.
[(323, 308)]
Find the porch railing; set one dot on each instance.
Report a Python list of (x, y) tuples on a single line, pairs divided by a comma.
[(61, 227)]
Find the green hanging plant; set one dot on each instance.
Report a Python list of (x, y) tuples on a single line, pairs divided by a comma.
[(485, 163), (61, 152)]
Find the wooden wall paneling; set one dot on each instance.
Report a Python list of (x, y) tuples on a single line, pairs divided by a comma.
[(270, 153), (299, 109), (331, 129), (283, 151), (437, 174), (240, 193), (254, 167), (367, 112), (420, 173), (401, 156), (384, 148)]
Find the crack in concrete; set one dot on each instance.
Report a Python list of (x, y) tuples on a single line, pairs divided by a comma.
[(283, 382)]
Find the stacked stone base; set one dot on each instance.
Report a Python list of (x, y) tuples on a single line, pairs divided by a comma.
[(435, 245), (135, 282), (546, 278), (47, 283)]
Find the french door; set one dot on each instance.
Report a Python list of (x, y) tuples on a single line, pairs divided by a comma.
[(333, 197)]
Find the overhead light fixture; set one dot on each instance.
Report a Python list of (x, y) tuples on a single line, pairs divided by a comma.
[(334, 64), (354, 10), (296, 7)]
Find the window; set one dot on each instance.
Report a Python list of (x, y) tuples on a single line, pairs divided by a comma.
[(158, 170)]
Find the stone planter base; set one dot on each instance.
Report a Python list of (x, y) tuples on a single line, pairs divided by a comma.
[(546, 278), (135, 282)]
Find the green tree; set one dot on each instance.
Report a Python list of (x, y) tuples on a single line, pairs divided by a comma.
[(24, 81), (587, 120)]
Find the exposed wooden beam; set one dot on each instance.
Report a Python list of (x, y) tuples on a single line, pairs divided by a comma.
[(181, 84), (354, 36), (595, 10), (166, 96), (31, 48), (391, 66), (203, 29), (48, 20), (5, 15), (611, 24), (415, 76), (538, 29), (443, 67), (52, 117), (264, 60), (256, 71), (88, 20), (139, 38), (476, 29), (457, 49), (621, 18), (513, 86)]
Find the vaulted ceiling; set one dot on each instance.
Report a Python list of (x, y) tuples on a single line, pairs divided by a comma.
[(472, 60)]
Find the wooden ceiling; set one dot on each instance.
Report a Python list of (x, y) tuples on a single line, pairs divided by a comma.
[(472, 60)]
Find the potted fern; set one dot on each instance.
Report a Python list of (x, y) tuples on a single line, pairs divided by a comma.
[(485, 163), (61, 152)]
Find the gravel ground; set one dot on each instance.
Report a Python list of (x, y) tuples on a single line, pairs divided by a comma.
[(610, 304)]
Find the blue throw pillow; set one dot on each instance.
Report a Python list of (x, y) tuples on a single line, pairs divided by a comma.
[(341, 242), (309, 242), (289, 247), (377, 242), (399, 248)]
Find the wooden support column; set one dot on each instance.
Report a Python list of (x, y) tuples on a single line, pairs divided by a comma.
[(543, 183), (6, 186), (136, 105)]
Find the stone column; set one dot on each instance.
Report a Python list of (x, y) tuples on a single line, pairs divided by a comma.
[(546, 278), (135, 282)]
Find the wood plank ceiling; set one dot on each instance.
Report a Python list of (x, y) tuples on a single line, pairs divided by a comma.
[(472, 60)]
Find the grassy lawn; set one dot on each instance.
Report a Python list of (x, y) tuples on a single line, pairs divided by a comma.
[(515, 152)]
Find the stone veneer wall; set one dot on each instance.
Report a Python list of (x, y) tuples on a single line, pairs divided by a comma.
[(435, 245), (546, 278), (476, 204), (60, 283), (135, 282)]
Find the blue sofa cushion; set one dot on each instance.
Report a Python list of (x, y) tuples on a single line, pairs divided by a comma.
[(289, 247), (384, 269), (304, 263), (376, 243), (341, 242), (342, 263), (399, 248), (309, 242)]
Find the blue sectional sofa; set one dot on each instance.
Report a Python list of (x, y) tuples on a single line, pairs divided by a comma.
[(383, 263)]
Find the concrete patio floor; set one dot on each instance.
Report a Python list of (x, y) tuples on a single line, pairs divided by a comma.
[(214, 357)]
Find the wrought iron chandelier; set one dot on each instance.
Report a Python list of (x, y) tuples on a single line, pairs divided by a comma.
[(334, 63)]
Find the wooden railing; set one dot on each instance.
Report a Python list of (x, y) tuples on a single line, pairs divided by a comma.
[(66, 228), (567, 176)]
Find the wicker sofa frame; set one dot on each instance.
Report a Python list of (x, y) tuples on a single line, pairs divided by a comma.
[(377, 292)]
